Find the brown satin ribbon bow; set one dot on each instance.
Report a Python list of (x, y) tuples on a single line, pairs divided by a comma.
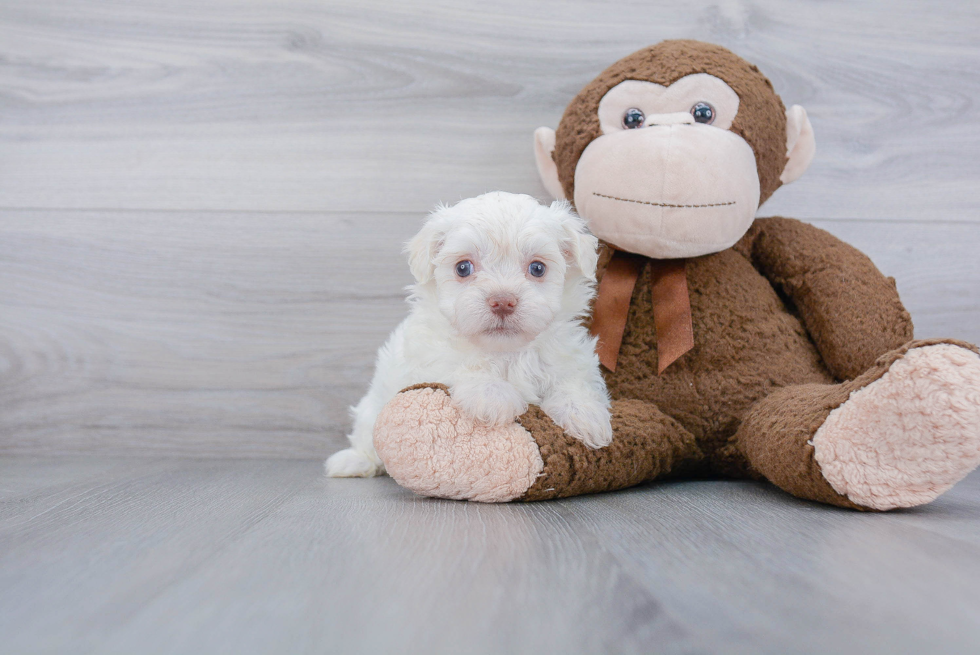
[(671, 307)]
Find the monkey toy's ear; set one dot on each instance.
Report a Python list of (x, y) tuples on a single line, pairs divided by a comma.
[(800, 146), (544, 145)]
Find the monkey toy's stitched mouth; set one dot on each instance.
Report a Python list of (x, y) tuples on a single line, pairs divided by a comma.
[(664, 204)]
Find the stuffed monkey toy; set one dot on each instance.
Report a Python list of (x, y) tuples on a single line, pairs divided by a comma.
[(732, 347)]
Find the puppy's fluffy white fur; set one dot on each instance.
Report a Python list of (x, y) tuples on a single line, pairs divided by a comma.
[(494, 364)]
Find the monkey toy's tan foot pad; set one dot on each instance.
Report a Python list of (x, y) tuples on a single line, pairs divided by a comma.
[(429, 447), (910, 435)]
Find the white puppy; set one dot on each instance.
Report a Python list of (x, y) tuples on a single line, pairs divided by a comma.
[(502, 285)]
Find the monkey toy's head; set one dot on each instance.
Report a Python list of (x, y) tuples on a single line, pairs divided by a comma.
[(671, 150)]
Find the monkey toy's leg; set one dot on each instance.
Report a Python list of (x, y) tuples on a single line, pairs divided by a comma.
[(899, 435), (429, 447)]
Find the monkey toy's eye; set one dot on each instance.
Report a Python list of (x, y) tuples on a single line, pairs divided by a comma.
[(633, 118), (464, 268), (703, 113), (536, 269)]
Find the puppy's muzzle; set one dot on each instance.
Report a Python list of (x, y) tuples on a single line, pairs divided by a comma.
[(502, 304)]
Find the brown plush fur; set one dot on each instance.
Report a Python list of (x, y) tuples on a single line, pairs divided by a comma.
[(776, 433), (746, 400), (762, 376), (761, 118), (851, 311), (648, 445)]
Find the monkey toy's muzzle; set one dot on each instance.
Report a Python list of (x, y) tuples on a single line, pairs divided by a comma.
[(668, 191)]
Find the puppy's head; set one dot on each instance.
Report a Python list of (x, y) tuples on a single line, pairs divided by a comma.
[(502, 267)]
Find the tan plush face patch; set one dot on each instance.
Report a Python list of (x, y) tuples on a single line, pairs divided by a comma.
[(681, 97), (666, 178)]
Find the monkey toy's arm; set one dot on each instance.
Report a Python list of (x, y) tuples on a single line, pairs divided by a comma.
[(852, 311)]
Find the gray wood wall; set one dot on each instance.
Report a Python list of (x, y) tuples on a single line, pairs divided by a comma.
[(202, 203)]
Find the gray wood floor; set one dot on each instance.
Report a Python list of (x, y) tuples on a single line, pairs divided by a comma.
[(202, 205), (167, 555)]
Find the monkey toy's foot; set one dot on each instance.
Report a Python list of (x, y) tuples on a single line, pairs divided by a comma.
[(908, 436), (428, 446)]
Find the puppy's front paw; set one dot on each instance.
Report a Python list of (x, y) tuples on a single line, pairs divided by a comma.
[(586, 420), (352, 463), (494, 403)]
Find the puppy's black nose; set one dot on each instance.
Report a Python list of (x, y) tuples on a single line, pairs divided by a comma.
[(502, 304)]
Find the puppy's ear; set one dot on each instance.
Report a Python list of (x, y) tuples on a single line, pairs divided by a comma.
[(578, 245), (424, 246)]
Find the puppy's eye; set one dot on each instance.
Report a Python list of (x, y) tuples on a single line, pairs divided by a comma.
[(703, 113), (464, 268), (633, 118), (536, 269)]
